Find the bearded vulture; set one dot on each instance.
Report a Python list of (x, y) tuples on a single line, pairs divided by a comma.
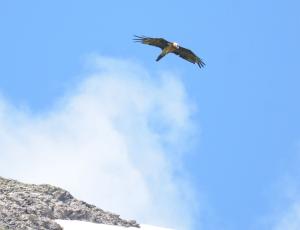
[(170, 47)]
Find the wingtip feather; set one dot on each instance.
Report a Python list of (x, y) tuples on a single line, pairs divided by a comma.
[(201, 64), (139, 38)]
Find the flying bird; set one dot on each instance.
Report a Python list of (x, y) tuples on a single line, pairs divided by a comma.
[(170, 47)]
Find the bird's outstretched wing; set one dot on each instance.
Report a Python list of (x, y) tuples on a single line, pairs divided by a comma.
[(189, 56), (158, 42)]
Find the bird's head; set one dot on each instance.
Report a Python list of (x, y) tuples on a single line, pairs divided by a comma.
[(175, 45)]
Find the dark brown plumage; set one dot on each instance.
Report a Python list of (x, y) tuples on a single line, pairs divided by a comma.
[(170, 47)]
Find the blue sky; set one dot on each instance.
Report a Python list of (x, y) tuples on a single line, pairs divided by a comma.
[(245, 158)]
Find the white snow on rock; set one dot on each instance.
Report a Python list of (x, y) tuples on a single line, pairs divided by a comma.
[(82, 225)]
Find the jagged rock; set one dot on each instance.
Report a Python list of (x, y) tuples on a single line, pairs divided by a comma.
[(29, 206)]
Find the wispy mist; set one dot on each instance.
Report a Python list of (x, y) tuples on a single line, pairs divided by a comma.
[(116, 140)]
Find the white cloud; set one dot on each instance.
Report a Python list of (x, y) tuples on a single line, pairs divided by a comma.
[(115, 141), (290, 220), (286, 205)]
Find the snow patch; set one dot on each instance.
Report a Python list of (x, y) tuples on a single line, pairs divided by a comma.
[(82, 225)]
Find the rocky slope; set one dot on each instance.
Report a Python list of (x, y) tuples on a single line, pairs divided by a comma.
[(29, 206)]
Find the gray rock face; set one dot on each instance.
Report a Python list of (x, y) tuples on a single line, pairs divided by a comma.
[(34, 207)]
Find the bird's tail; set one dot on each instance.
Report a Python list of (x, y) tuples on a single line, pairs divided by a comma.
[(160, 56)]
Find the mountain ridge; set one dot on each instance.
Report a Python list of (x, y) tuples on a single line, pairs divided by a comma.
[(31, 206)]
